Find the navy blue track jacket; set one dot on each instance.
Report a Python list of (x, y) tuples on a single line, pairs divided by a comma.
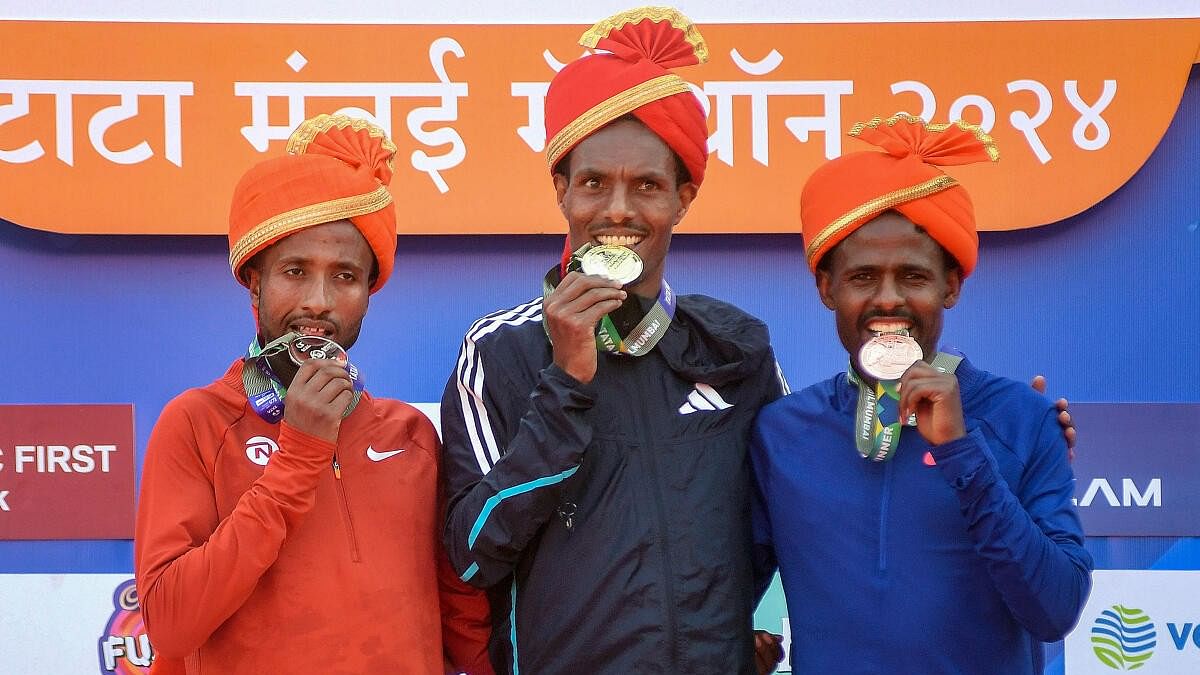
[(609, 521)]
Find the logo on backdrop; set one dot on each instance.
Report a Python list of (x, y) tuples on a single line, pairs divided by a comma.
[(1137, 475), (1123, 638), (124, 647), (1137, 620), (66, 471)]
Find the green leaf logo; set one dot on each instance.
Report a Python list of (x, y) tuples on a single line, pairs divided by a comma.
[(1123, 638)]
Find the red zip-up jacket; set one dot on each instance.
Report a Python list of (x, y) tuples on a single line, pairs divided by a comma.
[(262, 549)]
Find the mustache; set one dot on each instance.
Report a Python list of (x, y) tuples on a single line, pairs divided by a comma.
[(897, 314), (638, 228), (322, 322)]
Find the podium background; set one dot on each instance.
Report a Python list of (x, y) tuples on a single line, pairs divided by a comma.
[(1106, 304)]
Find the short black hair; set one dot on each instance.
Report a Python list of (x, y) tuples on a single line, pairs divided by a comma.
[(682, 175)]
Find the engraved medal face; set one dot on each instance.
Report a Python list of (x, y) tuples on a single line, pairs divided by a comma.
[(886, 357), (612, 262), (307, 347)]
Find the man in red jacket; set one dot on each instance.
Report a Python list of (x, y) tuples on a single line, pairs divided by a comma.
[(288, 520)]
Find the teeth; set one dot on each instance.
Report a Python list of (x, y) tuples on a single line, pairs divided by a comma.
[(888, 326), (307, 330), (619, 239)]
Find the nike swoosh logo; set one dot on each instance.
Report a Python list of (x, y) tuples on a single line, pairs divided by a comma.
[(376, 456)]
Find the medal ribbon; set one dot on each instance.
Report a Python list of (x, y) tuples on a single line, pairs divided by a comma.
[(877, 425), (644, 335), (266, 392)]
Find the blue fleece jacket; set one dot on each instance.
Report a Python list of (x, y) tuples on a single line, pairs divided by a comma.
[(957, 558)]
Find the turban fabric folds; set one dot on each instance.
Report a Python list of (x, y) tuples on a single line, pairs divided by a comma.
[(632, 78), (847, 192), (336, 168)]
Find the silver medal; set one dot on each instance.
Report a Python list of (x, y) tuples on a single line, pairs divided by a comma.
[(887, 356), (305, 347)]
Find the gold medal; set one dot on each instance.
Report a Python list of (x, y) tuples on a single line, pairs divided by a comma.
[(887, 356), (613, 262)]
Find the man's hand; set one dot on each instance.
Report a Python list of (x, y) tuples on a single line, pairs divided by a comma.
[(571, 313), (934, 397), (319, 394), (1064, 416), (768, 651)]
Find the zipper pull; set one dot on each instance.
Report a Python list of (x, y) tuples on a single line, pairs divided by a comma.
[(337, 469), (566, 511)]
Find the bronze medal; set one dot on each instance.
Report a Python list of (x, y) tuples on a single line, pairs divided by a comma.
[(886, 357)]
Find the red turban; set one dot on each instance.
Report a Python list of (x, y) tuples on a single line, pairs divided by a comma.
[(336, 168), (847, 192), (597, 89)]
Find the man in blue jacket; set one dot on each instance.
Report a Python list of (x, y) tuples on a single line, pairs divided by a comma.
[(599, 488), (919, 507)]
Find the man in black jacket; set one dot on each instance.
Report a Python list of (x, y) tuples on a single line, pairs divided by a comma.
[(599, 486)]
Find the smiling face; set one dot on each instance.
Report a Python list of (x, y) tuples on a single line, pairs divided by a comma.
[(622, 188), (887, 275), (315, 282)]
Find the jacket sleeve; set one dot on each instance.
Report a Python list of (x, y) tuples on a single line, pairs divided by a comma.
[(466, 613), (764, 562), (507, 451), (765, 565), (466, 621), (1031, 539), (193, 569)]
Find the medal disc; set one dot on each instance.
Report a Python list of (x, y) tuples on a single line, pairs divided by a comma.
[(612, 262), (886, 357), (305, 347)]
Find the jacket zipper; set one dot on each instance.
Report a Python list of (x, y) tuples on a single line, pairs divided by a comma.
[(344, 500), (668, 585)]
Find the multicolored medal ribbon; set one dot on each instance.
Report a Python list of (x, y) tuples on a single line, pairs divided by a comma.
[(623, 265), (877, 423), (277, 363)]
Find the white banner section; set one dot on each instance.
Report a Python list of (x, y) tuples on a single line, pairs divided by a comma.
[(71, 623), (1143, 620)]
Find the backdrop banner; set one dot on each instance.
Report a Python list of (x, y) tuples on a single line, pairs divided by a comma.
[(151, 138)]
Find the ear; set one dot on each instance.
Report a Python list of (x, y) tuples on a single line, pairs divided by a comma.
[(824, 288), (254, 282), (687, 193), (953, 287), (560, 188)]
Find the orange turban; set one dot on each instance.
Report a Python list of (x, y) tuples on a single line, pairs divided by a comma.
[(336, 167), (847, 192), (597, 89)]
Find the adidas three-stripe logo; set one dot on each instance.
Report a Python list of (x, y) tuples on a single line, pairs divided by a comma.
[(703, 397)]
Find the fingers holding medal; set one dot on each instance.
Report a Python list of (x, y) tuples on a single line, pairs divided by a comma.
[(934, 397), (926, 392), (572, 312), (318, 396)]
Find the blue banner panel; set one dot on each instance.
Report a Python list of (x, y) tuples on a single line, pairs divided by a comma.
[(1136, 469)]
